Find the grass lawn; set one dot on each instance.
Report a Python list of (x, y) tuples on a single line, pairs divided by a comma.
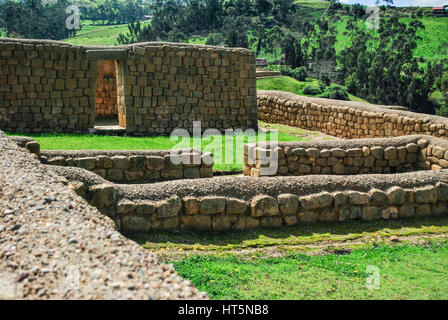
[(404, 272), (317, 261), (56, 141), (101, 35)]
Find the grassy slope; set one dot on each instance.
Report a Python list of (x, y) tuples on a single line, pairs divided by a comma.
[(405, 272), (289, 84)]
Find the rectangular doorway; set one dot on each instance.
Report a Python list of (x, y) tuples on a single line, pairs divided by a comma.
[(109, 116)]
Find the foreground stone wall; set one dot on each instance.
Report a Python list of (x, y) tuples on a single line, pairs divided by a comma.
[(47, 231), (387, 155), (136, 166), (48, 86), (237, 203), (346, 119)]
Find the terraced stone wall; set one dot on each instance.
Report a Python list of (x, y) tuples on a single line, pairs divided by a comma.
[(136, 167), (346, 119), (347, 157)]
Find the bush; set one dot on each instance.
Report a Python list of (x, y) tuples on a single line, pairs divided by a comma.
[(215, 39), (299, 73), (312, 90), (335, 91)]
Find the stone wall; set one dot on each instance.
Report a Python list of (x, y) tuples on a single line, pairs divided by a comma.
[(48, 86), (237, 203), (106, 89), (45, 87), (363, 156), (136, 166), (346, 119)]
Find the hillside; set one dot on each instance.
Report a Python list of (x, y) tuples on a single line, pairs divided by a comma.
[(434, 35)]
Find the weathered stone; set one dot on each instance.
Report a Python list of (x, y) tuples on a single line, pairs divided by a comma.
[(340, 198), (357, 198), (135, 223), (120, 162), (155, 163), (222, 222), (308, 216), (338, 153), (191, 205), (169, 207), (104, 162), (423, 210), (246, 223), (86, 163), (196, 222), (126, 207), (371, 213), (263, 205), (328, 215), (102, 195), (290, 220), (396, 195), (378, 197), (79, 188), (213, 205), (236, 206), (427, 194), (442, 191), (412, 147), (192, 173), (288, 204), (390, 212), (314, 201), (146, 207), (390, 153), (271, 222), (406, 211), (33, 147), (355, 152), (313, 152), (137, 162), (377, 152)]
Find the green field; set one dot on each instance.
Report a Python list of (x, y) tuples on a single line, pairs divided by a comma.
[(403, 272), (215, 144), (101, 35), (289, 84), (434, 35), (317, 261)]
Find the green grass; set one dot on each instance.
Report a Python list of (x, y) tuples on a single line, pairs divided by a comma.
[(292, 85), (300, 238), (405, 272), (55, 141), (101, 35)]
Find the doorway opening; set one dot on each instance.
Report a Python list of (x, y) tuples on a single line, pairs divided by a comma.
[(109, 116)]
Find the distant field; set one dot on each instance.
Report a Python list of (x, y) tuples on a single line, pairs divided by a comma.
[(101, 35), (289, 84)]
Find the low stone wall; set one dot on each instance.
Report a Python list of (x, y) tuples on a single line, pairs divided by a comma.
[(47, 232), (346, 119), (237, 203), (136, 166), (387, 155)]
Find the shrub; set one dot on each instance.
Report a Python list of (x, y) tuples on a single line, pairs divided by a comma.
[(335, 91), (299, 73), (215, 39), (311, 90)]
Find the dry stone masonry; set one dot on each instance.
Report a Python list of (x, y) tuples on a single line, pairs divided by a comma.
[(346, 119), (137, 166), (389, 155), (48, 86)]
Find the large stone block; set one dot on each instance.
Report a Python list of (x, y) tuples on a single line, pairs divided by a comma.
[(169, 207), (263, 205), (212, 205), (102, 195), (288, 204)]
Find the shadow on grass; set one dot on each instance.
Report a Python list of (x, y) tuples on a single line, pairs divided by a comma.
[(300, 234)]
